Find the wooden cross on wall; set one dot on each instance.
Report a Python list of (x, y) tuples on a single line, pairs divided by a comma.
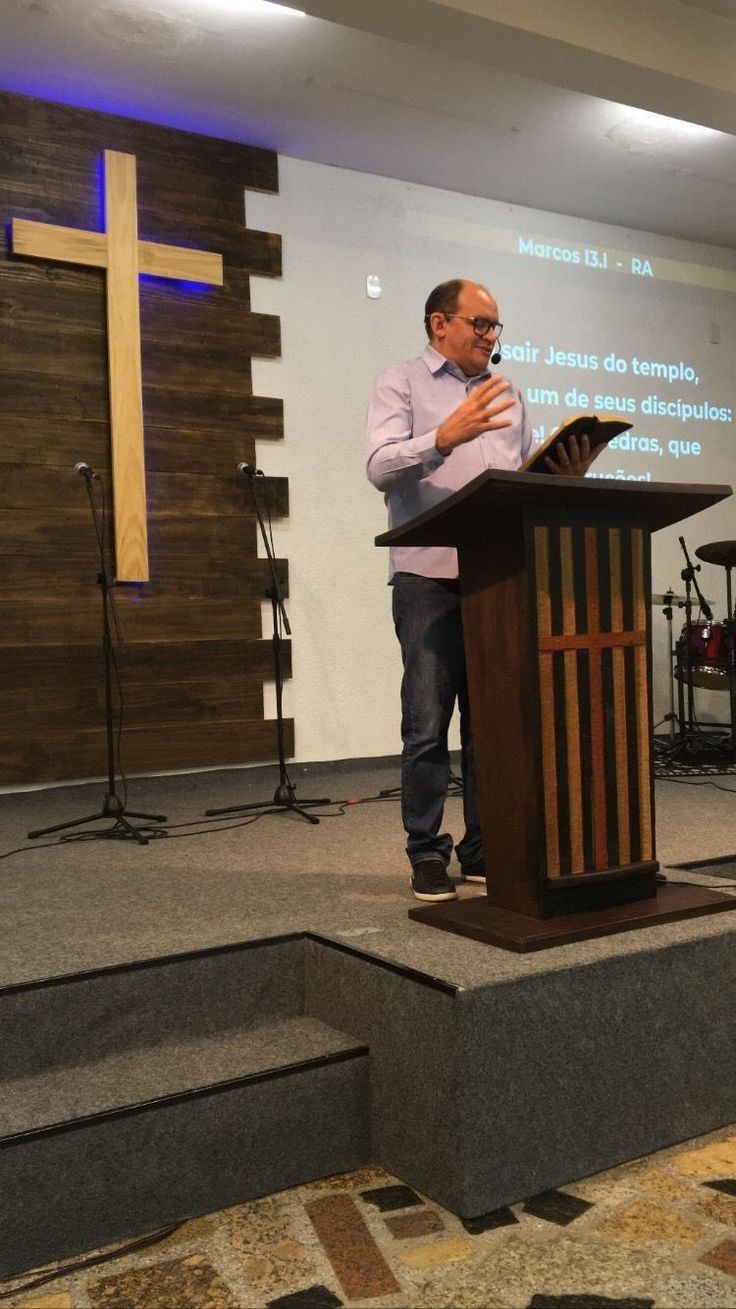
[(124, 257)]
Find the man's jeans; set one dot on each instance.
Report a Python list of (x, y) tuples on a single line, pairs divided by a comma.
[(428, 624)]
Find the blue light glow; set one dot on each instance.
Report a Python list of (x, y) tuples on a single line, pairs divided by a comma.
[(183, 117), (101, 193), (183, 284), (190, 288)]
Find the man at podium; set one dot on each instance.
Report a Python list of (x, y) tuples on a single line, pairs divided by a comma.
[(435, 423)]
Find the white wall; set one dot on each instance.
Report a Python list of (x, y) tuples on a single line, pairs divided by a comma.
[(339, 226)]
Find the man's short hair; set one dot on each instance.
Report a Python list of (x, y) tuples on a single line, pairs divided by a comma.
[(443, 300)]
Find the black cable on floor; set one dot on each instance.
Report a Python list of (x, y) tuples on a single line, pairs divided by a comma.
[(707, 781), (172, 832), (77, 1265)]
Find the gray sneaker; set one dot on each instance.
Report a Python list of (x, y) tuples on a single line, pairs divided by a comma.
[(429, 881)]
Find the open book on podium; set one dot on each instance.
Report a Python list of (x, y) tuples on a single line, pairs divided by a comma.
[(599, 431)]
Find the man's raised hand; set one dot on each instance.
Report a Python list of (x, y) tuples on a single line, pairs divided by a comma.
[(482, 411)]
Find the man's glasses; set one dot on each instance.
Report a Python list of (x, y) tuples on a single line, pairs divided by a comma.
[(481, 326)]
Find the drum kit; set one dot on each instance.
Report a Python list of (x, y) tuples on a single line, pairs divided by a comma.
[(704, 656)]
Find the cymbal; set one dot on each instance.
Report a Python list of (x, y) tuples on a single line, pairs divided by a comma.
[(669, 598), (708, 678), (718, 552)]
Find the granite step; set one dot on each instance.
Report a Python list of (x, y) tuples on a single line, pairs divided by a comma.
[(61, 1098), (74, 1020), (95, 1152)]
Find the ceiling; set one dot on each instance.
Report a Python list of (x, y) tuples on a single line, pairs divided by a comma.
[(450, 93)]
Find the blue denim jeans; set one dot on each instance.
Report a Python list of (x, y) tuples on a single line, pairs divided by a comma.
[(428, 623)]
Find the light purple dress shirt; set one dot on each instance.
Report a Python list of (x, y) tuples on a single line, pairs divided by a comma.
[(408, 403)]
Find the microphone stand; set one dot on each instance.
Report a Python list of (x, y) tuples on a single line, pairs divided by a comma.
[(672, 653), (112, 806), (690, 580), (284, 798), (689, 574)]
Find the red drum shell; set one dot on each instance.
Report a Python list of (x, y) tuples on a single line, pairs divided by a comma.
[(708, 654), (709, 642)]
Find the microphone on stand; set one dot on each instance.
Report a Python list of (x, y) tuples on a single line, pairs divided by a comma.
[(84, 470), (692, 570)]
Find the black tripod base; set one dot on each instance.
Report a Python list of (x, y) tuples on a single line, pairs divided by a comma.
[(121, 829), (694, 747), (284, 800)]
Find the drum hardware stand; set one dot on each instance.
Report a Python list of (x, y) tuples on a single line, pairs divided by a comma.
[(689, 743), (284, 797), (731, 652), (720, 553), (731, 657), (112, 806), (724, 553), (688, 576)]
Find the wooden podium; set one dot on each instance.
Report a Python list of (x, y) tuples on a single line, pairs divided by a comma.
[(556, 593)]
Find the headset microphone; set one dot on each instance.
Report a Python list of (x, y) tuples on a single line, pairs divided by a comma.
[(496, 357)]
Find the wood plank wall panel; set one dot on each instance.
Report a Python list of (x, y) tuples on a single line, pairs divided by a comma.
[(194, 662)]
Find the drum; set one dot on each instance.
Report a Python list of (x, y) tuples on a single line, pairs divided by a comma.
[(708, 655)]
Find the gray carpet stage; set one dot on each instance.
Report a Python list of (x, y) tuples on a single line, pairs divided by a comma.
[(215, 1016)]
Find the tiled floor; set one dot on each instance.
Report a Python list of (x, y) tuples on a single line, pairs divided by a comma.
[(658, 1233)]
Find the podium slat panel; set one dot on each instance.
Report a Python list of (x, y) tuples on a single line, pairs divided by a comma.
[(549, 764), (572, 717), (589, 594), (627, 580), (598, 767), (586, 758), (580, 579), (644, 781), (632, 752), (544, 606), (563, 787), (569, 620), (598, 770), (621, 755), (617, 600), (609, 752), (574, 777), (547, 705), (639, 574), (638, 579), (619, 700)]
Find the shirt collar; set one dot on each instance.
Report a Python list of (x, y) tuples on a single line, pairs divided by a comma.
[(436, 362)]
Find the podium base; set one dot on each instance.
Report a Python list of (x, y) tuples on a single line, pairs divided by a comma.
[(482, 921)]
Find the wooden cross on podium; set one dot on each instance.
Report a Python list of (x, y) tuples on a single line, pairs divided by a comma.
[(124, 257)]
